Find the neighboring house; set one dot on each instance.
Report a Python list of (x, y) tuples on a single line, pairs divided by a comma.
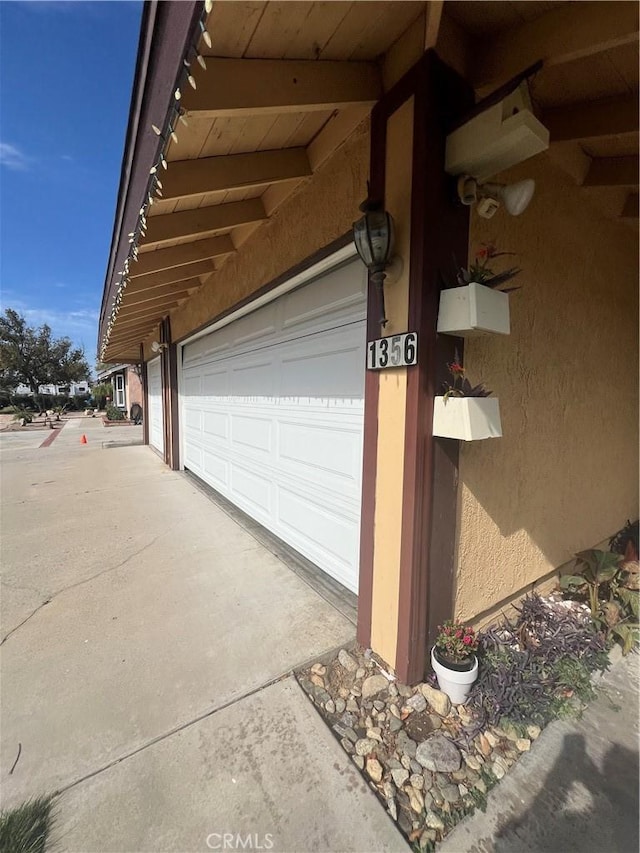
[(73, 389), (127, 387), (242, 295)]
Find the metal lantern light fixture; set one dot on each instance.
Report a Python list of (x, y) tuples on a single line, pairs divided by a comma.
[(374, 236)]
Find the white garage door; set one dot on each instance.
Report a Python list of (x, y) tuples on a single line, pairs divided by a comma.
[(156, 419), (272, 416)]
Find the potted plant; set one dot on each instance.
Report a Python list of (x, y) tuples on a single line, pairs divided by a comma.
[(479, 304), (465, 411), (454, 661)]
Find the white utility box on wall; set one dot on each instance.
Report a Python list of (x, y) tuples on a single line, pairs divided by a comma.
[(473, 309), (467, 418), (501, 136)]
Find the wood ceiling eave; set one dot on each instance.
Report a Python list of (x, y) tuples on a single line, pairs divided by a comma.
[(586, 92)]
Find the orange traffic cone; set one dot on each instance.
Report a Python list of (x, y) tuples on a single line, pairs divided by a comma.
[(83, 440)]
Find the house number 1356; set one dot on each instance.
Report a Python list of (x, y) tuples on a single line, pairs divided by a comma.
[(394, 351)]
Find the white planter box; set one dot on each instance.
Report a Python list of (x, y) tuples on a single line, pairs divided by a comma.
[(473, 309), (467, 418)]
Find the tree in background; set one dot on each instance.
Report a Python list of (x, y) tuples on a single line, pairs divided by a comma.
[(32, 356)]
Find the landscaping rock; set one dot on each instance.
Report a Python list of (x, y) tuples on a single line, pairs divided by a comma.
[(360, 672), (533, 732), (378, 705), (491, 738), (365, 745), (406, 745), (484, 745), (416, 780), (433, 821), (399, 776), (395, 724), (352, 706), (406, 762), (389, 790), (437, 700), (439, 754), (472, 762), (416, 800), (436, 720), (417, 702), (374, 769), (358, 760), (340, 706), (373, 685), (523, 744), (347, 745), (316, 679), (330, 707), (450, 793), (346, 661), (318, 669), (428, 837), (392, 808), (375, 733)]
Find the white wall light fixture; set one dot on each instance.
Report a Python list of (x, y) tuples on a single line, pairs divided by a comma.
[(158, 347), (515, 197)]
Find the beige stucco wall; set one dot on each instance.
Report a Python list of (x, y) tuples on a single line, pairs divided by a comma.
[(564, 475), (392, 398), (320, 212)]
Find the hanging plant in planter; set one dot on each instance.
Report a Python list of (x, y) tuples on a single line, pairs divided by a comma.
[(479, 304), (479, 271), (454, 660), (465, 411)]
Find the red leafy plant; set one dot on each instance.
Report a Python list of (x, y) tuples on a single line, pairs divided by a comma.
[(456, 642), (460, 385), (481, 273)]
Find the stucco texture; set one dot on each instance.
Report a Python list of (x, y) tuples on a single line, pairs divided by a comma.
[(322, 210), (564, 475)]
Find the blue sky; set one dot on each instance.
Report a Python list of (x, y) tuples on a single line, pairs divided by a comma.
[(67, 71)]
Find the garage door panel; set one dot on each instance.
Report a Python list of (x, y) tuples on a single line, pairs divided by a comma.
[(254, 489), (323, 449), (216, 468), (252, 380), (323, 375), (281, 417), (215, 383), (154, 396), (216, 425), (338, 291)]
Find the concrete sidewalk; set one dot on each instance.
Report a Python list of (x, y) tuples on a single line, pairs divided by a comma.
[(576, 791), (145, 670)]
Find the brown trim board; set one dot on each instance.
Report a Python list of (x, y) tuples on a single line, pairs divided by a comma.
[(316, 257), (439, 229), (377, 173), (145, 397)]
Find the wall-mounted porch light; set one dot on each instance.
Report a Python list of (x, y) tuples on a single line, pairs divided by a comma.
[(373, 236), (515, 197), (158, 347)]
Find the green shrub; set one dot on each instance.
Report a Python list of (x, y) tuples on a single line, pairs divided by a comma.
[(20, 414), (100, 393), (114, 414)]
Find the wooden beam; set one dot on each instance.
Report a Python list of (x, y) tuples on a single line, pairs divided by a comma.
[(203, 220), (177, 256), (630, 209), (140, 331), (139, 297), (590, 119), (612, 172), (571, 31), (144, 309), (433, 15), (187, 178), (232, 87), (135, 316), (169, 276)]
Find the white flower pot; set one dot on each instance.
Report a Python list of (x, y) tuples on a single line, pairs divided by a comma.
[(457, 685), (473, 310), (467, 418)]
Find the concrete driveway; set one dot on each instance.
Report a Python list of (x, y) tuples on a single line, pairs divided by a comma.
[(149, 641)]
